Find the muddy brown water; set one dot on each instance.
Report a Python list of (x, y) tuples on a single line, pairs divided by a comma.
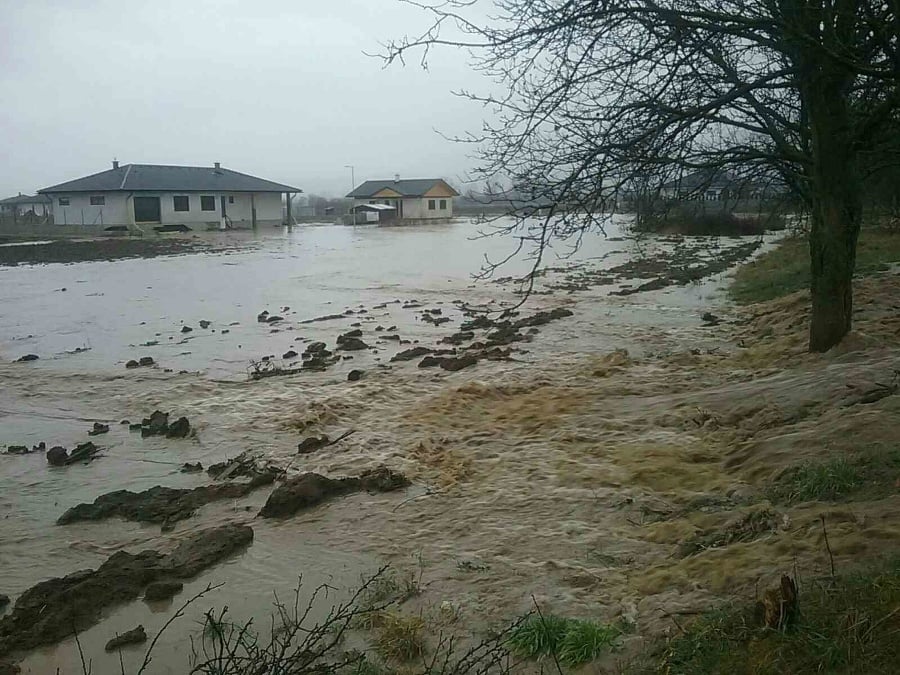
[(114, 311)]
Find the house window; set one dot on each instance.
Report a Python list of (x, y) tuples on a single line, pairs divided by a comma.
[(231, 199), (431, 205), (98, 200), (181, 203), (63, 201), (207, 203), (443, 205)]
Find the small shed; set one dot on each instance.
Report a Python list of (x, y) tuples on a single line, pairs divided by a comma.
[(362, 214)]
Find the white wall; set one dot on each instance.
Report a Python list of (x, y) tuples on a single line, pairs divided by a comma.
[(418, 208), (119, 209), (114, 212)]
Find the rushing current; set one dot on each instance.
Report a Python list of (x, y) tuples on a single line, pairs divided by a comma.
[(86, 320)]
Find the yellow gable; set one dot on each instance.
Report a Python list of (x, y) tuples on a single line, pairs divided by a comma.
[(387, 192), (441, 189)]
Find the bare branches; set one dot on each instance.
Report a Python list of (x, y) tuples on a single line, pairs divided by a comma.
[(600, 95)]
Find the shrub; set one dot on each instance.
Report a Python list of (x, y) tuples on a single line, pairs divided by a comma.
[(585, 641), (572, 641)]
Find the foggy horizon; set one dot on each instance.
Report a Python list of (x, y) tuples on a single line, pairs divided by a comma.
[(280, 90)]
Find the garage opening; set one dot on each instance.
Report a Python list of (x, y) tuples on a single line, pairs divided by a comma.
[(146, 210)]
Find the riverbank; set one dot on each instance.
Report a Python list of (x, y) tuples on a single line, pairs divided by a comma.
[(629, 484)]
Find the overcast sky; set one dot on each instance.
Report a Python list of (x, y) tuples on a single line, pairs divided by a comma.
[(276, 88)]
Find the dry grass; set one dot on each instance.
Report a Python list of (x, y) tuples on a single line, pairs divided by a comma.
[(399, 637)]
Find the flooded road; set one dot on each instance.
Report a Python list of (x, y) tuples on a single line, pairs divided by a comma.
[(86, 320)]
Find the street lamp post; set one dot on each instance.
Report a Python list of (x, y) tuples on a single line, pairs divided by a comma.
[(352, 187)]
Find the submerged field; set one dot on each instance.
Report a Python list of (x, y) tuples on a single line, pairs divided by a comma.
[(621, 473)]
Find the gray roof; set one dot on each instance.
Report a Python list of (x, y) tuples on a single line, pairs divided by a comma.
[(408, 187), (161, 178), (374, 207), (25, 199)]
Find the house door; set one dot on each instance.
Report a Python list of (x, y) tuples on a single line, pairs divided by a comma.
[(146, 210)]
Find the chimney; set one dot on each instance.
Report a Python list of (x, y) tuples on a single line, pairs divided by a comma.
[(217, 165), (115, 164), (396, 177)]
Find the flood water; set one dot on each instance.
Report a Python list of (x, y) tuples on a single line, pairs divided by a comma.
[(86, 320)]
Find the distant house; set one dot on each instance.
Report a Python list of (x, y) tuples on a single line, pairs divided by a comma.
[(413, 199), (25, 205), (136, 196), (702, 185)]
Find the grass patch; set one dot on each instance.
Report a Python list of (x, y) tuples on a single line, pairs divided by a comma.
[(400, 638), (847, 626), (572, 641), (785, 269), (873, 470), (585, 641)]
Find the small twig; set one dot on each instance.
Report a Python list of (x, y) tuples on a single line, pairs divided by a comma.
[(828, 546), (340, 438), (678, 625), (428, 493), (878, 623), (85, 667)]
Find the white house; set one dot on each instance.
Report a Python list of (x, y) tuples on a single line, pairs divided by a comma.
[(151, 196), (25, 205), (426, 199)]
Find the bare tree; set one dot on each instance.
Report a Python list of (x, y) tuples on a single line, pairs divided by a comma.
[(601, 95)]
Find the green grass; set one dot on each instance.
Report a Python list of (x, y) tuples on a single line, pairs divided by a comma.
[(584, 641), (785, 269), (847, 626), (572, 641), (873, 471)]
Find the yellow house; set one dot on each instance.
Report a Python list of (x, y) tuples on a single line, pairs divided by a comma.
[(426, 199)]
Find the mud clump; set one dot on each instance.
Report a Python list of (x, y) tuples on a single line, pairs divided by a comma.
[(59, 456), (162, 590), (98, 429), (160, 504), (241, 466), (311, 444), (143, 362), (51, 610), (158, 425), (351, 341), (309, 489), (135, 636), (410, 354)]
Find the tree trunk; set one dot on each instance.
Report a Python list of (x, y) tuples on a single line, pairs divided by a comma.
[(836, 212), (832, 246)]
